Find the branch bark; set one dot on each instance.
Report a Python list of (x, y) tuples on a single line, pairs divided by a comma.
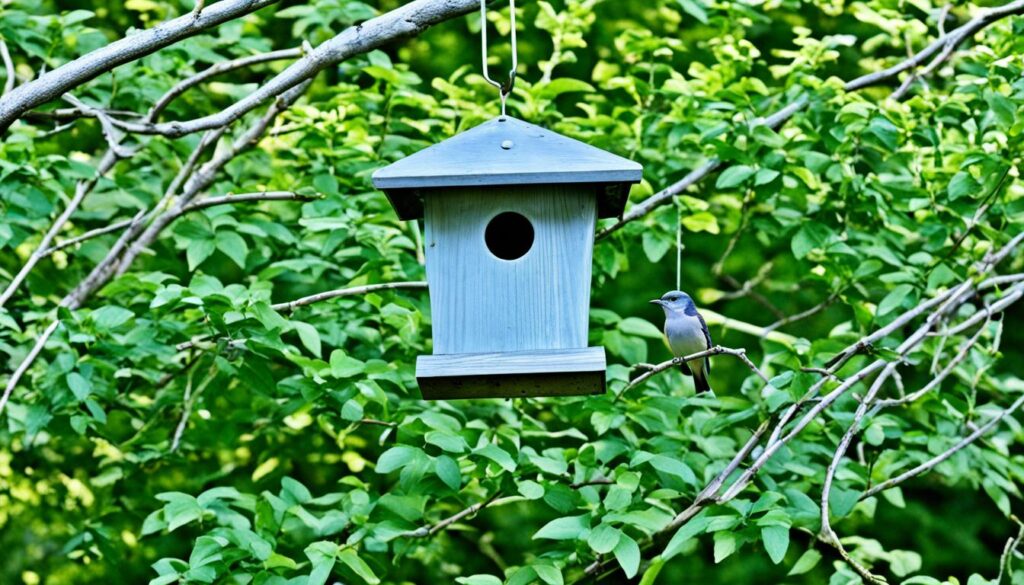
[(408, 20), (53, 84)]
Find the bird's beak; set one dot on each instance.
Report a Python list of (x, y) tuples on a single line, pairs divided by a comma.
[(658, 302)]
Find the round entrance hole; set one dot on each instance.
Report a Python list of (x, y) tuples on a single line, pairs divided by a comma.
[(509, 235)]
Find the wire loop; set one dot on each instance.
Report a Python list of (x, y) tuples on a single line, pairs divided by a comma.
[(503, 88)]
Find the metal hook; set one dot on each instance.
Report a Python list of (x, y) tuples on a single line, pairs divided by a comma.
[(503, 88)]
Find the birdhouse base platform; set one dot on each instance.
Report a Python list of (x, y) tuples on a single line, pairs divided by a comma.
[(556, 372)]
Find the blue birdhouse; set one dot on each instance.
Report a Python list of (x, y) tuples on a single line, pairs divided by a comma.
[(509, 212)]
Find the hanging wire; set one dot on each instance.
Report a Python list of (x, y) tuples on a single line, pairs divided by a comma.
[(503, 88), (679, 245)]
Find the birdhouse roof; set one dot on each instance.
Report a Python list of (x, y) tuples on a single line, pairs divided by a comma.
[(507, 151)]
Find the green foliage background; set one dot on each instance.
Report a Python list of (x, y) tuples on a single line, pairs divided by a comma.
[(308, 456)]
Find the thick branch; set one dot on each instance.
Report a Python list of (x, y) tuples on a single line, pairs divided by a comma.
[(55, 83), (407, 20)]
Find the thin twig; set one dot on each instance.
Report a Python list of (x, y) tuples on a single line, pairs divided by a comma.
[(345, 292), (931, 463)]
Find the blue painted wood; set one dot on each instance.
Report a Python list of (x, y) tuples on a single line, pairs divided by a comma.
[(480, 303), (507, 151)]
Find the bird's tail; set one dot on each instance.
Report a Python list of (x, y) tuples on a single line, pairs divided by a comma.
[(700, 381)]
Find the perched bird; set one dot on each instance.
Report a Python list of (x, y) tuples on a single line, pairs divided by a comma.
[(687, 333)]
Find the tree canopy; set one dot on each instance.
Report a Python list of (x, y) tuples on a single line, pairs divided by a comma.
[(209, 318)]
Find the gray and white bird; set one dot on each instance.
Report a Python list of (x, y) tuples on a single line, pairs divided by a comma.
[(687, 334)]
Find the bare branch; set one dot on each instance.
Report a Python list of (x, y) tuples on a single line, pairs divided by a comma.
[(804, 314), (110, 133), (934, 461), (82, 188), (407, 20), (114, 227), (213, 71), (345, 292), (53, 84), (425, 531), (676, 361), (5, 55), (26, 362)]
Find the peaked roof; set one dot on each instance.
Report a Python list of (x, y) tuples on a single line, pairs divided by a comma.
[(507, 151)]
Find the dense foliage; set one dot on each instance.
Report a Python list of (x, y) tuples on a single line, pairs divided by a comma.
[(178, 427)]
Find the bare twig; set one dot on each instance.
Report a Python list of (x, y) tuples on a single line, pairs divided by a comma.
[(803, 314), (676, 361), (82, 188), (213, 71), (429, 530), (931, 463), (345, 292), (86, 236)]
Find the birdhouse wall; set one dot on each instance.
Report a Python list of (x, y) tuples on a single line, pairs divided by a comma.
[(482, 303)]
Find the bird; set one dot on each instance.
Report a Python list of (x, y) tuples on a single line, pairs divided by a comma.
[(687, 334)]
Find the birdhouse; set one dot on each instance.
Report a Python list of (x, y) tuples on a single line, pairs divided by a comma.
[(509, 211)]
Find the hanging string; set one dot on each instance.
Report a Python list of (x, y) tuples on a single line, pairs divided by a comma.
[(679, 245), (503, 88)]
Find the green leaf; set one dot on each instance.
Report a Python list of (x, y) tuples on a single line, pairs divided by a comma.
[(111, 317), (963, 185), (351, 560), (79, 386), (568, 528), (627, 552), (725, 545), (478, 580), (180, 509), (894, 299), (673, 466), (694, 526), (701, 221), (841, 501), (776, 542), (497, 455), (448, 471), (695, 9), (233, 246), (734, 176), (309, 337), (640, 327), (198, 252), (806, 562), (549, 574), (604, 538), (557, 87), (396, 457), (343, 366), (322, 556)]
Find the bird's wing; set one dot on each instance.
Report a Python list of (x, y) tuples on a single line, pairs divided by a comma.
[(707, 338)]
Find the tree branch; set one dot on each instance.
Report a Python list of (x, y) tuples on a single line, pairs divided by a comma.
[(53, 84), (934, 461), (213, 71), (946, 43), (345, 292), (5, 55), (407, 20)]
